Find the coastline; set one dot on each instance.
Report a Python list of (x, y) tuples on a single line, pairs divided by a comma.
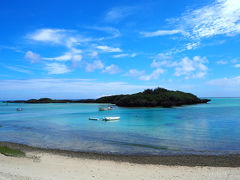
[(158, 97), (231, 160)]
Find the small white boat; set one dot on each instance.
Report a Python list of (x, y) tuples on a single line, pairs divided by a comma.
[(110, 118), (105, 108), (19, 109), (110, 108), (96, 119)]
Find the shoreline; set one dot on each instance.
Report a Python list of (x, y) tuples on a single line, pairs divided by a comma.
[(231, 160)]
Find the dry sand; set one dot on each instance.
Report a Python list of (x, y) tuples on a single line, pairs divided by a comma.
[(46, 166)]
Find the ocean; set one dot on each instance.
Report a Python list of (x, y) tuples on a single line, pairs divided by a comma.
[(209, 129)]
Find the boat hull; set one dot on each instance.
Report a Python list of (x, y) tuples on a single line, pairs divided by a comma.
[(94, 119), (111, 118)]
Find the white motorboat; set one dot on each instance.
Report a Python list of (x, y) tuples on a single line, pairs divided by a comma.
[(111, 118), (110, 108), (19, 109), (96, 119), (105, 108)]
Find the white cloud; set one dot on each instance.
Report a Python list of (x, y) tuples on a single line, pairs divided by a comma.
[(186, 67), (143, 76), (109, 49), (220, 18), (97, 64), (190, 68), (125, 55), (161, 33), (71, 41), (194, 68), (237, 65), (32, 57), (154, 75), (159, 63), (64, 37), (65, 57), (118, 13), (193, 45), (233, 61), (135, 73), (110, 30), (48, 35), (225, 82), (133, 55), (61, 37), (112, 69), (77, 58), (19, 69), (163, 59), (93, 54), (222, 62), (56, 68), (163, 56), (67, 38)]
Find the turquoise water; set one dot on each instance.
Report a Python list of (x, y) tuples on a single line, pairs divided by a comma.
[(211, 128)]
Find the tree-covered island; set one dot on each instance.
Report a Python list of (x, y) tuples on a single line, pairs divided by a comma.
[(148, 98)]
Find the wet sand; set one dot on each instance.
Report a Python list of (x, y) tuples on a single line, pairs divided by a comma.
[(176, 160)]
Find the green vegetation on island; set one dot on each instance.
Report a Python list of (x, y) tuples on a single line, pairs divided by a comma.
[(11, 152), (48, 100), (147, 98), (152, 98)]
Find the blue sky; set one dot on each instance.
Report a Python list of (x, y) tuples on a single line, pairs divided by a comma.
[(86, 49)]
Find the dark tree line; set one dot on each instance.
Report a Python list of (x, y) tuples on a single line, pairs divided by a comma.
[(147, 98), (153, 98)]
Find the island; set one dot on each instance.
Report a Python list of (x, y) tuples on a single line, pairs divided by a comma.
[(148, 98)]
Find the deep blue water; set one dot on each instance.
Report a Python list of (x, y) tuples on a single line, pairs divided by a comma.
[(212, 128)]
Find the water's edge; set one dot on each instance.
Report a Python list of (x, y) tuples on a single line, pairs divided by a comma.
[(230, 160)]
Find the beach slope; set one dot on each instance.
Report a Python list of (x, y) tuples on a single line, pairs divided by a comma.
[(45, 166)]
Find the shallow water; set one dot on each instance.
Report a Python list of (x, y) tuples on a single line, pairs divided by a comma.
[(211, 128)]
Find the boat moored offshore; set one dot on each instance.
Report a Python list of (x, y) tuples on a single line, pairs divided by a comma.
[(111, 118), (92, 118), (105, 108), (19, 109)]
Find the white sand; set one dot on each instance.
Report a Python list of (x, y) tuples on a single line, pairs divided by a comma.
[(57, 167)]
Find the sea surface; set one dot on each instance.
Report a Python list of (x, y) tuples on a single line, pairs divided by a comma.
[(212, 128)]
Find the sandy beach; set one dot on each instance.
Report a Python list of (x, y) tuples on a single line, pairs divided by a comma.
[(46, 164)]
